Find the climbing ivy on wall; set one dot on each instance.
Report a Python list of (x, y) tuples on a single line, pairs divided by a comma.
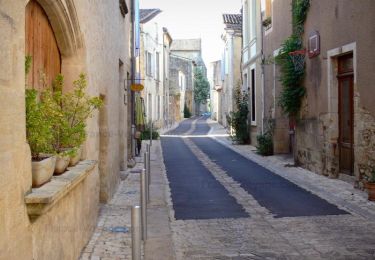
[(291, 77)]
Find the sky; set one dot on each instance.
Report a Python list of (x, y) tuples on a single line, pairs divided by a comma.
[(187, 19)]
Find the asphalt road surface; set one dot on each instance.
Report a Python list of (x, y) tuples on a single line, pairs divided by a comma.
[(196, 194)]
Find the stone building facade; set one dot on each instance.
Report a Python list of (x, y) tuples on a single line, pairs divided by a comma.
[(152, 64), (93, 37), (252, 71), (325, 116), (167, 43), (231, 63), (334, 133), (189, 50), (181, 86), (274, 35), (215, 90)]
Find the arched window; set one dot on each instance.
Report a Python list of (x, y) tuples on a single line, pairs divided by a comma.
[(41, 45)]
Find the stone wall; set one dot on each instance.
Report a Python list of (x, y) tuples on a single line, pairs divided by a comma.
[(92, 37), (152, 42), (15, 159), (317, 131), (63, 231), (106, 44), (279, 30)]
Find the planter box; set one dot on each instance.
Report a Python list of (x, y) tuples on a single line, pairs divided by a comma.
[(62, 162), (42, 171), (75, 159), (371, 190)]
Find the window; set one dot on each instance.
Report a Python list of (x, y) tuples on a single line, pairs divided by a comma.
[(149, 101), (149, 64), (181, 81), (158, 107), (157, 67), (267, 14), (245, 83), (253, 19), (253, 93)]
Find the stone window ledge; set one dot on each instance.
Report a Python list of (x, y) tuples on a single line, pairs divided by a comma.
[(42, 199)]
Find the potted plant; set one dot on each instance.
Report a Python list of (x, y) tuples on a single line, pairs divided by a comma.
[(78, 107), (370, 186), (69, 112), (39, 136), (53, 103), (267, 22)]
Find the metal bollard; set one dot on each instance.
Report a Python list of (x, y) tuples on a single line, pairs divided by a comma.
[(149, 165), (136, 232), (150, 133), (143, 205), (133, 142), (146, 166)]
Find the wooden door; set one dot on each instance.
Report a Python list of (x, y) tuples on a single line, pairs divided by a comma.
[(346, 128), (41, 45)]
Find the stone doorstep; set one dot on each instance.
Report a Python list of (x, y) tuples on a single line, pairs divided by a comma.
[(42, 199)]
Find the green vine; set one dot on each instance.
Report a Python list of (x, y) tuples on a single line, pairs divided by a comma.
[(291, 77)]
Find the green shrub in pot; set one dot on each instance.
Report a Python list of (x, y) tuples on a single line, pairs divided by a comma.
[(69, 112)]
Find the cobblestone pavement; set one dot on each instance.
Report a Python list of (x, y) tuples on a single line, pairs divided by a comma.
[(264, 237), (112, 237)]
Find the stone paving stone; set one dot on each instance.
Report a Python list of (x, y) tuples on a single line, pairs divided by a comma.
[(106, 244)]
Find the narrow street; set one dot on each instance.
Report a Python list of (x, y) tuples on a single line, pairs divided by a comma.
[(184, 130), (227, 206)]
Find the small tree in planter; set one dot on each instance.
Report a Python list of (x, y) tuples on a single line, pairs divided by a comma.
[(78, 107), (370, 186), (54, 103), (38, 126), (69, 112), (39, 135), (265, 140)]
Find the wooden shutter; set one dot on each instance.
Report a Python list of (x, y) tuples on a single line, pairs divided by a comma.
[(42, 46), (268, 8)]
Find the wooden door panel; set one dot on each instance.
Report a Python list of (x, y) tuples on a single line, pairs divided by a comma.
[(42, 46), (346, 127)]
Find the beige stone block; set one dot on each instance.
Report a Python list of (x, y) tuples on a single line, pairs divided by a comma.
[(6, 49)]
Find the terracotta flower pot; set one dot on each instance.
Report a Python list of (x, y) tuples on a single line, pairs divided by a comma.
[(42, 171), (370, 186), (76, 158), (62, 162)]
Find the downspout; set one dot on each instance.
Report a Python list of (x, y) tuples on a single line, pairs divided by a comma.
[(135, 7), (133, 61), (262, 69)]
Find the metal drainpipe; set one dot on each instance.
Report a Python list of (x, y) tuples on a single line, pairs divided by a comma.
[(133, 62), (263, 75)]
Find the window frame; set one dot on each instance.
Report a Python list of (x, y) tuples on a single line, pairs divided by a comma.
[(149, 67), (253, 115), (157, 66)]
